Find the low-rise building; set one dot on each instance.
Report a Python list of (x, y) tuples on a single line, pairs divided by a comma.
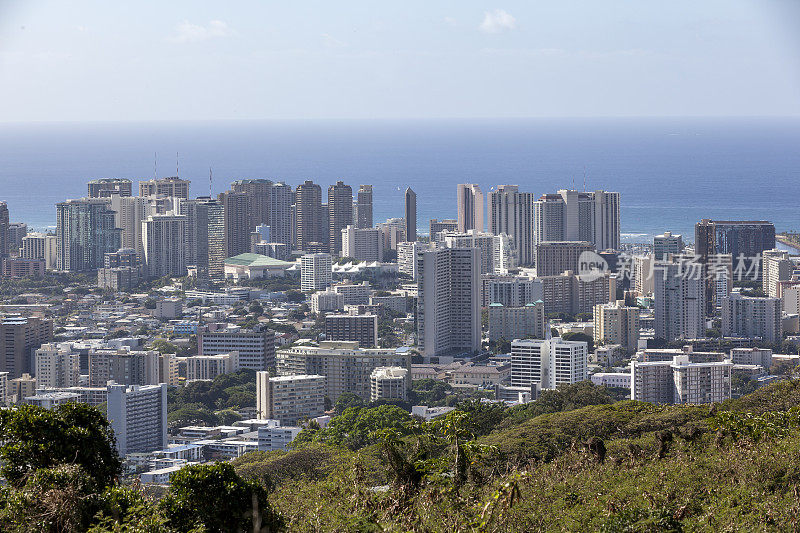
[(272, 438)]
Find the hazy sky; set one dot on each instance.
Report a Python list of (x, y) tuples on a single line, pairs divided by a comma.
[(111, 60)]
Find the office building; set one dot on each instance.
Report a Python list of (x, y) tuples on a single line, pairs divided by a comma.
[(511, 291), (85, 231), (124, 366), (665, 244), (548, 363), (363, 214), (679, 381), (164, 244), (57, 365), (438, 226), (340, 209), (578, 216), (309, 215), (138, 416), (511, 213), (172, 186), (362, 244), (256, 348), (205, 236), (555, 257), (20, 337), (448, 302), (289, 399), (776, 267), (470, 207), (207, 367), (570, 294), (679, 298), (346, 366), (752, 317), (17, 267), (4, 222), (324, 301), (389, 383), (509, 323), (616, 323), (315, 272), (411, 215), (257, 192), (362, 329), (107, 187)]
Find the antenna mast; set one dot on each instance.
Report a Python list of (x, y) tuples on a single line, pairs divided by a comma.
[(155, 165), (177, 174), (584, 178), (210, 183)]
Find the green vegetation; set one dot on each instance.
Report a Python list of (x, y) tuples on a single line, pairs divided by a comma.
[(211, 402)]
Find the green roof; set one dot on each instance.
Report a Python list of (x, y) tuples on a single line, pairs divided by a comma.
[(256, 260)]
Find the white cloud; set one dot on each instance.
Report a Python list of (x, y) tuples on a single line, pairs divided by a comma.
[(332, 42), (186, 32), (497, 21)]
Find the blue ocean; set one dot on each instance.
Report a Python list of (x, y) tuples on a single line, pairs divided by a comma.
[(671, 172)]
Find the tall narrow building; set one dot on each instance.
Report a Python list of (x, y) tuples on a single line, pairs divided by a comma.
[(578, 216), (511, 212), (470, 207), (679, 300), (363, 217), (205, 236), (411, 215), (130, 212), (340, 209), (308, 213), (280, 213), (236, 207), (85, 232), (163, 239), (448, 304), (258, 197), (4, 222)]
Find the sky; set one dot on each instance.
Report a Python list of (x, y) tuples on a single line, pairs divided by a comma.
[(201, 60)]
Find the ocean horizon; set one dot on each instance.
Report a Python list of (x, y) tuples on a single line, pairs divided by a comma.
[(671, 172)]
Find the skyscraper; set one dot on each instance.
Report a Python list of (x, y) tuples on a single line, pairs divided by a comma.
[(236, 207), (85, 231), (667, 243), (364, 207), (130, 212), (511, 212), (555, 257), (470, 207), (411, 215), (258, 197), (448, 305), (280, 214), (19, 337), (315, 272), (164, 243), (752, 317), (106, 187), (172, 186), (578, 216), (308, 212), (340, 209), (205, 236), (4, 221), (679, 300)]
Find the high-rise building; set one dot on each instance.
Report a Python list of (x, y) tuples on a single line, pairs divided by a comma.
[(362, 329), (389, 383), (130, 212), (752, 317), (548, 363), (752, 356), (258, 197), (33, 246), (438, 226), (679, 381), (362, 244), (394, 232), (138, 416), (776, 267), (411, 215), (616, 323), (509, 323), (236, 210), (666, 243), (163, 240), (324, 301), (495, 253), (280, 213), (57, 365), (20, 337), (16, 232), (256, 347), (172, 186), (289, 399), (555, 257), (346, 366), (571, 294), (107, 187), (642, 274), (407, 257), (511, 213), (208, 367), (124, 366), (85, 231), (121, 271), (363, 218), (470, 207), (511, 291), (448, 305), (205, 236), (315, 272), (340, 213), (4, 221), (309, 214), (578, 216), (679, 295)]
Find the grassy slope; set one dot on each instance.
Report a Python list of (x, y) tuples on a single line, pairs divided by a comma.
[(702, 483)]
